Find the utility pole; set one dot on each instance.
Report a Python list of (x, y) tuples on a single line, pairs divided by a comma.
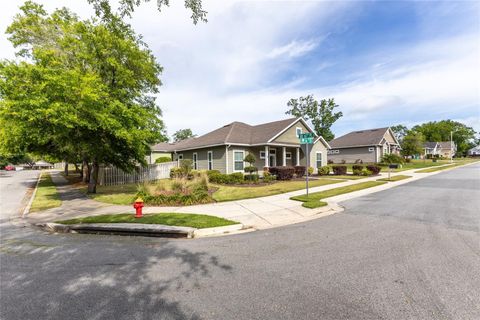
[(451, 146)]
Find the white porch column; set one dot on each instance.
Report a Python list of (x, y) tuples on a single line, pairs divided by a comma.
[(284, 156), (266, 157), (298, 156)]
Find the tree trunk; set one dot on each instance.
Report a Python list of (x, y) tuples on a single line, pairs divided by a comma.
[(86, 172), (66, 168), (81, 170), (76, 168), (92, 184)]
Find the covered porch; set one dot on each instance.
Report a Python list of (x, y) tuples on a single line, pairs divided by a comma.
[(273, 155)]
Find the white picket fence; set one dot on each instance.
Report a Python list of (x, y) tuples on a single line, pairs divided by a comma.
[(111, 176)]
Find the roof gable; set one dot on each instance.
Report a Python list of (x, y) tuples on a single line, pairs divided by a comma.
[(367, 137)]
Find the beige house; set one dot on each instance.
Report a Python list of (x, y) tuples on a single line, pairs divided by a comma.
[(367, 146), (273, 144)]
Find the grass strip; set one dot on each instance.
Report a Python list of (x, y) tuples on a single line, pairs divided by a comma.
[(199, 221), (231, 193), (438, 168), (313, 199), (395, 178), (46, 196)]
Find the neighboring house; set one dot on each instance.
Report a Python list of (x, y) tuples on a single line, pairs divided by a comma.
[(273, 144), (154, 155), (431, 148), (367, 146), (447, 149), (439, 149), (474, 152)]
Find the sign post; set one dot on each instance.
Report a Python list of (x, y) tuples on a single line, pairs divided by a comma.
[(306, 138)]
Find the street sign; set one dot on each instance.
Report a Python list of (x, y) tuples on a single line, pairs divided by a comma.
[(306, 138)]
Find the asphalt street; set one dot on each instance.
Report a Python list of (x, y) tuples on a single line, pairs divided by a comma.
[(410, 252)]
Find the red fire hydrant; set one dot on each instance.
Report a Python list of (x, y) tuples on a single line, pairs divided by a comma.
[(138, 205)]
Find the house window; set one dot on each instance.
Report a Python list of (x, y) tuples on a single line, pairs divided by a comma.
[(238, 157), (336, 151), (288, 155), (318, 159), (298, 130), (180, 156), (273, 151), (371, 149), (262, 154), (210, 160), (195, 161)]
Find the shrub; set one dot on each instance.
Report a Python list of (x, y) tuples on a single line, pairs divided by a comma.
[(216, 177), (236, 177), (268, 177), (186, 165), (300, 171), (359, 161), (250, 158), (374, 169), (339, 170), (163, 159), (283, 172), (357, 172), (343, 161), (176, 172), (392, 158), (310, 170), (250, 169), (366, 172), (357, 167), (408, 160), (252, 178), (330, 161), (323, 171)]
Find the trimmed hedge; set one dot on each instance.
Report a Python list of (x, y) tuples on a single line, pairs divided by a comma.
[(374, 169), (357, 167), (215, 176), (339, 170), (300, 171), (323, 171), (282, 172)]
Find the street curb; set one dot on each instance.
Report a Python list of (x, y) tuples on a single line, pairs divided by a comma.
[(139, 229), (26, 211), (218, 231)]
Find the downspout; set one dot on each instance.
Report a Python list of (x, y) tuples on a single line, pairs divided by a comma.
[(226, 158)]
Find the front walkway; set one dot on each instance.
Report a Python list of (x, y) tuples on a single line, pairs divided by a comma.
[(259, 213)]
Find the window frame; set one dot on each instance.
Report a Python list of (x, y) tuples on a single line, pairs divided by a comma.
[(264, 154), (316, 159), (371, 149), (179, 156), (210, 160), (288, 155), (235, 161), (296, 131), (195, 160)]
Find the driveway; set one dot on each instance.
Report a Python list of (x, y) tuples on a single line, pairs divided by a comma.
[(410, 252)]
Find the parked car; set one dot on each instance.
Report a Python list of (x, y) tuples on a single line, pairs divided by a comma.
[(10, 168)]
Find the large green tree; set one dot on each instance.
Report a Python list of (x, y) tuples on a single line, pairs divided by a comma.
[(82, 89), (463, 136), (321, 114), (400, 131), (412, 143), (182, 134)]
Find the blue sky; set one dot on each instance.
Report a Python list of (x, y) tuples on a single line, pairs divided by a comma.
[(384, 62)]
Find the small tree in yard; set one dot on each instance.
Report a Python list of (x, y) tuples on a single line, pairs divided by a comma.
[(250, 158), (412, 143)]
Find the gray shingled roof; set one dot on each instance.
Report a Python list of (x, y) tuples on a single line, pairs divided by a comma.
[(233, 133), (429, 145), (368, 137), (446, 145)]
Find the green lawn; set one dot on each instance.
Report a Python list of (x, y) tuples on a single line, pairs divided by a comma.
[(46, 196), (434, 169), (313, 199), (230, 193), (122, 194), (395, 178), (347, 177), (199, 221)]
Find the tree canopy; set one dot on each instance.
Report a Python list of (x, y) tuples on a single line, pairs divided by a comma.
[(463, 136), (182, 134), (104, 10), (412, 143), (81, 90), (321, 114)]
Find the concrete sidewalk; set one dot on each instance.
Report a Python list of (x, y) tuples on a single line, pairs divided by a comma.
[(259, 213)]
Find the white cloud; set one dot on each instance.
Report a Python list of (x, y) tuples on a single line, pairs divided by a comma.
[(293, 50)]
